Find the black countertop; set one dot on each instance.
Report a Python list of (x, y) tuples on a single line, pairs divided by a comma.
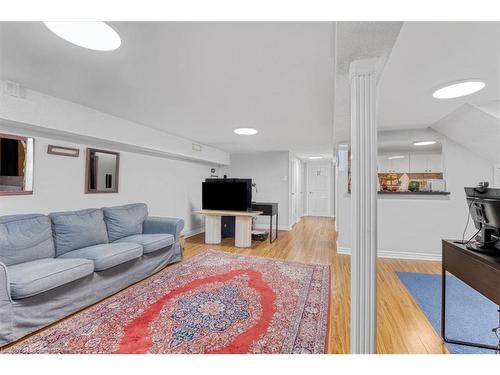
[(414, 192)]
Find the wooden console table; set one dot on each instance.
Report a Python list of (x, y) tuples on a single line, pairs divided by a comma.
[(213, 219), (478, 270)]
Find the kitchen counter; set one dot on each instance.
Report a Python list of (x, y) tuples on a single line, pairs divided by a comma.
[(414, 192)]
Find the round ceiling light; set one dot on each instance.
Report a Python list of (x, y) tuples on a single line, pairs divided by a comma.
[(92, 35), (458, 89), (424, 143), (245, 131)]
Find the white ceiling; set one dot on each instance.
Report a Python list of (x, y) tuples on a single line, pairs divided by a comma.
[(197, 80), (427, 55)]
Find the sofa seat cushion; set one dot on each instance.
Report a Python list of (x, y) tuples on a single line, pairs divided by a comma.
[(150, 242), (38, 276), (106, 256)]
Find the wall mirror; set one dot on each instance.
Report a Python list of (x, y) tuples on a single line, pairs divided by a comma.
[(101, 171), (16, 165)]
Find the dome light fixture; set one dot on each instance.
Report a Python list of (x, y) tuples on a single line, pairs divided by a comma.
[(459, 89), (424, 143), (97, 36), (245, 131)]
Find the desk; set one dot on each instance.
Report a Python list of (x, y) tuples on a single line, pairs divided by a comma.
[(243, 235), (268, 209), (478, 270)]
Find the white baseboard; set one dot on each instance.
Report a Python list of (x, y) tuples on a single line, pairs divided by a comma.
[(193, 232), (266, 226), (396, 254), (196, 231)]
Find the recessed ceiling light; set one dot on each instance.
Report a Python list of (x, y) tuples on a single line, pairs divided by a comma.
[(92, 35), (315, 157), (424, 143), (396, 157), (458, 89), (245, 131)]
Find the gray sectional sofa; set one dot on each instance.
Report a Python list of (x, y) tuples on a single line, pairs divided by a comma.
[(52, 266)]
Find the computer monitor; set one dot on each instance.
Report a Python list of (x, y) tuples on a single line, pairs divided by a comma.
[(484, 208)]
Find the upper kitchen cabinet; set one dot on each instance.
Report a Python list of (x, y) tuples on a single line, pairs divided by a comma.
[(426, 163), (393, 163), (410, 156)]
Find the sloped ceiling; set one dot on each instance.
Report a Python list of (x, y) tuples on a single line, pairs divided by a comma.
[(428, 55), (474, 128)]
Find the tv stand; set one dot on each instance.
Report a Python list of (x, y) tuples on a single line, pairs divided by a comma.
[(213, 220)]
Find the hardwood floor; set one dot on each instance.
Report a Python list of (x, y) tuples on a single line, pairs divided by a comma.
[(401, 325)]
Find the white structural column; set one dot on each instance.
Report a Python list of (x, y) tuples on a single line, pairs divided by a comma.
[(363, 81)]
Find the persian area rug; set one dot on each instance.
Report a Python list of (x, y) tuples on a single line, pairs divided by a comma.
[(214, 302)]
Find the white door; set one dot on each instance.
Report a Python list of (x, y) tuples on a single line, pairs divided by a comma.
[(293, 200), (318, 189)]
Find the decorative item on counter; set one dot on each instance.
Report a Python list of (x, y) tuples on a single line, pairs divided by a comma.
[(404, 181), (413, 186), (389, 181)]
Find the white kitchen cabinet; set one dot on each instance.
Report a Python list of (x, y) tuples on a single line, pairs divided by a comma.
[(426, 163), (418, 163), (384, 164), (434, 163), (400, 165)]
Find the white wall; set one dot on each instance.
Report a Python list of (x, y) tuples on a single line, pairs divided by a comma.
[(413, 226), (270, 171), (169, 187)]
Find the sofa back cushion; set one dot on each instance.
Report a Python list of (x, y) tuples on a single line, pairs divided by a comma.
[(24, 238), (76, 229), (123, 221)]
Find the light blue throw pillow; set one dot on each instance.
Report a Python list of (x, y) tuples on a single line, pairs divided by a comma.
[(24, 238), (77, 229), (123, 221)]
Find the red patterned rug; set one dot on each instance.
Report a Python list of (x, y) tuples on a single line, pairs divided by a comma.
[(214, 302)]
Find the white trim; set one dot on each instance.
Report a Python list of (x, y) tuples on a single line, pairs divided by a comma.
[(194, 232), (266, 226), (391, 254)]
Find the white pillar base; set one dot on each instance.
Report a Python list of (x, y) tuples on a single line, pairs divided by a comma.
[(212, 229), (243, 231)]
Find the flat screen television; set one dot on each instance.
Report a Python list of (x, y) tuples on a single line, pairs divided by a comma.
[(230, 194)]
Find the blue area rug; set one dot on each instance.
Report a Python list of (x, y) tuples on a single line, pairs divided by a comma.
[(469, 315)]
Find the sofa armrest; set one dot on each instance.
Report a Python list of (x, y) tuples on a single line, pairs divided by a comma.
[(4, 284), (5, 306), (154, 225)]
